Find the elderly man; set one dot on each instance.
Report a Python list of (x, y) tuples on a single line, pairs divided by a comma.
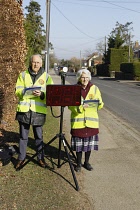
[(31, 108)]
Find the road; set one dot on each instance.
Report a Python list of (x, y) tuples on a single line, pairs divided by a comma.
[(121, 98), (114, 184)]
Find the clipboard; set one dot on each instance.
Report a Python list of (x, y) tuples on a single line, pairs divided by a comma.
[(91, 103), (28, 92)]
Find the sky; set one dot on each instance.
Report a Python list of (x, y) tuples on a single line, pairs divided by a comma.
[(77, 26)]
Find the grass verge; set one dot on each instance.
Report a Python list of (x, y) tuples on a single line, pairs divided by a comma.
[(36, 188)]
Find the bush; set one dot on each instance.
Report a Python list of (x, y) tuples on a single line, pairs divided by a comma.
[(102, 70), (131, 70)]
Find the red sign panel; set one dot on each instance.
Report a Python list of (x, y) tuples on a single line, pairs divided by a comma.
[(63, 95)]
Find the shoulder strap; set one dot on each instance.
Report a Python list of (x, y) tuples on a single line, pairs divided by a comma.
[(47, 76), (95, 89), (23, 74)]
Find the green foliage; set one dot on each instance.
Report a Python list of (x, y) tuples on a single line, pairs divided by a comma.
[(127, 68), (115, 41), (72, 64), (131, 68), (119, 39), (102, 70), (65, 63), (33, 25), (117, 56), (120, 34), (136, 66)]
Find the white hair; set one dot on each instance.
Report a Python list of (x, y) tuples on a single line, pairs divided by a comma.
[(31, 58), (79, 73)]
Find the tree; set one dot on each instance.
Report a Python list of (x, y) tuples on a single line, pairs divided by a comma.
[(34, 29), (120, 35), (100, 47), (119, 38), (73, 64), (12, 57), (53, 60), (88, 53)]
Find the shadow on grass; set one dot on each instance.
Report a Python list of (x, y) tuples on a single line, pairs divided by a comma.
[(9, 136), (51, 153)]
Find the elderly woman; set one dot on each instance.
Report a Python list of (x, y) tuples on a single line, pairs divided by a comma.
[(84, 120)]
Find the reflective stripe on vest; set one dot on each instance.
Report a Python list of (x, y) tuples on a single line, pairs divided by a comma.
[(23, 74), (84, 119), (18, 87), (31, 103)]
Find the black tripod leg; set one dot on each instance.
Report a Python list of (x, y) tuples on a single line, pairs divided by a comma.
[(70, 149), (59, 152), (33, 156), (71, 167)]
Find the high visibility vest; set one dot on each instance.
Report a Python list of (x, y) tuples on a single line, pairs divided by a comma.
[(88, 117), (34, 103)]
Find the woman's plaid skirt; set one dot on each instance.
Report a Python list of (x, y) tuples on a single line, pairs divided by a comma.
[(84, 144)]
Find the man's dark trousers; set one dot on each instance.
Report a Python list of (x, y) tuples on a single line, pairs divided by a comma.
[(24, 132)]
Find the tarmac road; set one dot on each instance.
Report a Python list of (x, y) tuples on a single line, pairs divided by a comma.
[(114, 184)]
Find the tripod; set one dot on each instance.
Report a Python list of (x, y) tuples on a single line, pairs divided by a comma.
[(62, 140)]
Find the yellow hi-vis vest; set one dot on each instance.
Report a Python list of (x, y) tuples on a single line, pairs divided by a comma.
[(88, 117), (34, 103)]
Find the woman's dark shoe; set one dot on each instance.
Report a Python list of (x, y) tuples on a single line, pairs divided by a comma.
[(78, 168), (42, 163), (88, 166)]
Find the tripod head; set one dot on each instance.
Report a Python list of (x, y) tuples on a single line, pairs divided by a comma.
[(63, 75)]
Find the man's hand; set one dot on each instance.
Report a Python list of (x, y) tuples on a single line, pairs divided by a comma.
[(36, 92)]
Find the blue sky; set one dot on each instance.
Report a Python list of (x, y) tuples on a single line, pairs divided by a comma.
[(77, 26)]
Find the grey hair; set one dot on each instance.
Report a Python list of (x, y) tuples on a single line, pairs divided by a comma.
[(79, 73), (31, 58)]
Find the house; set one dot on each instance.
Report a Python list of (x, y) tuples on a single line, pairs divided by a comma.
[(94, 59)]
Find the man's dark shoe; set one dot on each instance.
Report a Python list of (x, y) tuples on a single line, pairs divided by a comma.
[(88, 166), (78, 168), (42, 163), (19, 164)]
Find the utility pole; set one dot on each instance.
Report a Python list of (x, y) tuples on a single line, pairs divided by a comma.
[(129, 49), (80, 59), (105, 45), (48, 2)]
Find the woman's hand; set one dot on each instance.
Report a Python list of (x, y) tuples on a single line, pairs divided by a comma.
[(85, 106)]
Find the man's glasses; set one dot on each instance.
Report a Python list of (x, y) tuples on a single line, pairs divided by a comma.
[(35, 62), (84, 77)]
